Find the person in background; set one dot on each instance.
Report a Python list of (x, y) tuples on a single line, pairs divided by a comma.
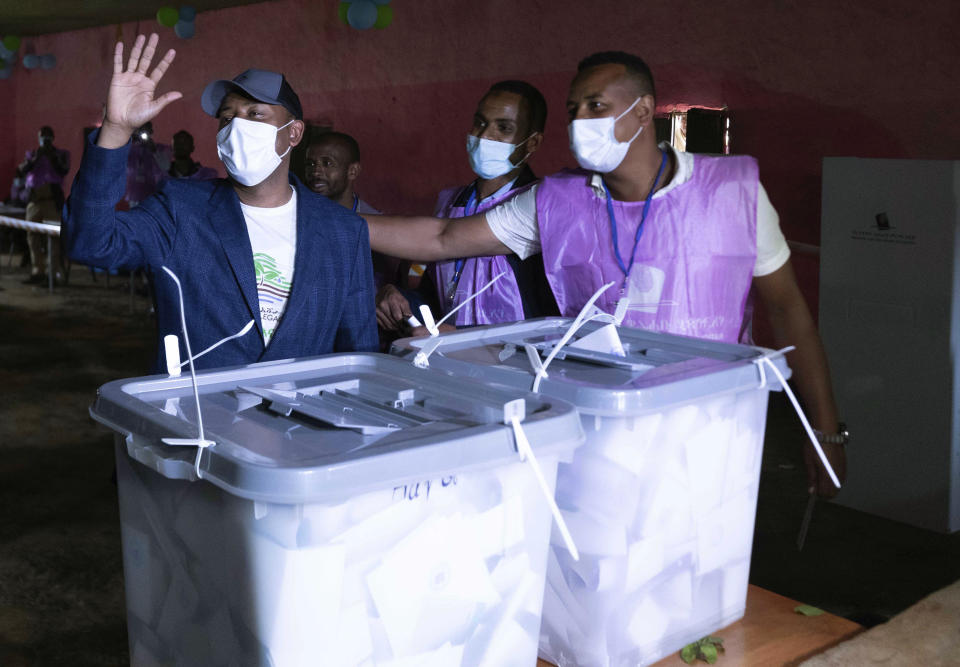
[(681, 237), (331, 169), (183, 165), (147, 165), (507, 128), (43, 170), (258, 246)]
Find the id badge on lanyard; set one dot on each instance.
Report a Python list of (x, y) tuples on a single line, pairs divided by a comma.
[(636, 239), (451, 290)]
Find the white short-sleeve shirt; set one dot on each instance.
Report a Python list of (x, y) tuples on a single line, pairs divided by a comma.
[(514, 222)]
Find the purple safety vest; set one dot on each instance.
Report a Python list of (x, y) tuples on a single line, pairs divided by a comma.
[(502, 302), (43, 172), (694, 263)]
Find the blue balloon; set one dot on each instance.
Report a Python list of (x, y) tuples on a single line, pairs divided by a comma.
[(5, 72), (31, 60), (362, 14), (48, 61), (5, 53), (382, 2), (184, 29), (188, 13)]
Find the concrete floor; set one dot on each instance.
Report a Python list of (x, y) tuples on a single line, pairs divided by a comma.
[(61, 584)]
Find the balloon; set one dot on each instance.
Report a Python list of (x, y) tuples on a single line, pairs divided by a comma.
[(188, 13), (382, 2), (362, 14), (342, 11), (384, 16), (167, 16), (5, 73), (48, 61), (12, 42), (5, 53), (184, 29), (31, 60)]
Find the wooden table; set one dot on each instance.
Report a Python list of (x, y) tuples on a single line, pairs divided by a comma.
[(771, 633)]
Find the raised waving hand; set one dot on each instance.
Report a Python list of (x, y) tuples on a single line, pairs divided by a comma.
[(131, 101)]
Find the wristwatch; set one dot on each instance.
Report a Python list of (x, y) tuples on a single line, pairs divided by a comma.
[(841, 437)]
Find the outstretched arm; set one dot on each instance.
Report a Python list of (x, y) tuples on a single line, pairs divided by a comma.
[(425, 239), (93, 232), (793, 325)]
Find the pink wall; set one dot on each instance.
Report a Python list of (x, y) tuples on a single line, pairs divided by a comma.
[(803, 80)]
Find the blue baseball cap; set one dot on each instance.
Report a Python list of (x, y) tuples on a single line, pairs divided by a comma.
[(259, 84)]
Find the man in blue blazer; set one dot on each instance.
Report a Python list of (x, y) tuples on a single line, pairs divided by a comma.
[(257, 246)]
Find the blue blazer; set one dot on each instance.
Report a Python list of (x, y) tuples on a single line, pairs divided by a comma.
[(196, 229)]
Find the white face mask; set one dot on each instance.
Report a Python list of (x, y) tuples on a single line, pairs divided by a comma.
[(248, 150), (490, 159), (595, 145)]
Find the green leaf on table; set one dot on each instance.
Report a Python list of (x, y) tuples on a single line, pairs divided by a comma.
[(807, 610), (689, 653), (709, 653)]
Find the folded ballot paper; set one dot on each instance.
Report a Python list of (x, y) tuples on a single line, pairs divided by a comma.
[(354, 511), (660, 500)]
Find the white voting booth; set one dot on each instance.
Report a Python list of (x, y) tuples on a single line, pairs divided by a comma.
[(890, 321)]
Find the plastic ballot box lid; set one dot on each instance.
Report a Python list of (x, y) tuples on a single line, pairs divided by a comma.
[(655, 371), (322, 428)]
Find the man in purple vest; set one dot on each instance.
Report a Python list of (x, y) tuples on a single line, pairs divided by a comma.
[(44, 169), (682, 236), (507, 129)]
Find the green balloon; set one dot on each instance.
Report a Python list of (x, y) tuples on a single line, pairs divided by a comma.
[(342, 11), (384, 16), (12, 42), (168, 16)]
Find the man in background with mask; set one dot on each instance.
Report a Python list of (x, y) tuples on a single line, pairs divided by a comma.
[(507, 129), (257, 246), (43, 170), (682, 237)]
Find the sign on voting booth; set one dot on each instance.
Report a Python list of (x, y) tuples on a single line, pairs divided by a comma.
[(353, 510), (661, 499)]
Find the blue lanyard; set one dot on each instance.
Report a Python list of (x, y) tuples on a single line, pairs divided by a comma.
[(643, 217), (472, 200), (356, 201)]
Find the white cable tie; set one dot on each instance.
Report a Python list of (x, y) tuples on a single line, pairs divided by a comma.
[(428, 320), (621, 312), (422, 358), (578, 322), (527, 455), (242, 332), (171, 351), (800, 413), (472, 297), (413, 322), (533, 354), (193, 376)]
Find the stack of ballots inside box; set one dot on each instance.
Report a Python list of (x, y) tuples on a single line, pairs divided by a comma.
[(660, 501), (354, 510)]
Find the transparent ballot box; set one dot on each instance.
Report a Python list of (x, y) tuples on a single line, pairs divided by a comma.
[(661, 499), (352, 510)]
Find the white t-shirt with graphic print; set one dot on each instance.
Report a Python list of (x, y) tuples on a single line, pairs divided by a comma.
[(273, 238)]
